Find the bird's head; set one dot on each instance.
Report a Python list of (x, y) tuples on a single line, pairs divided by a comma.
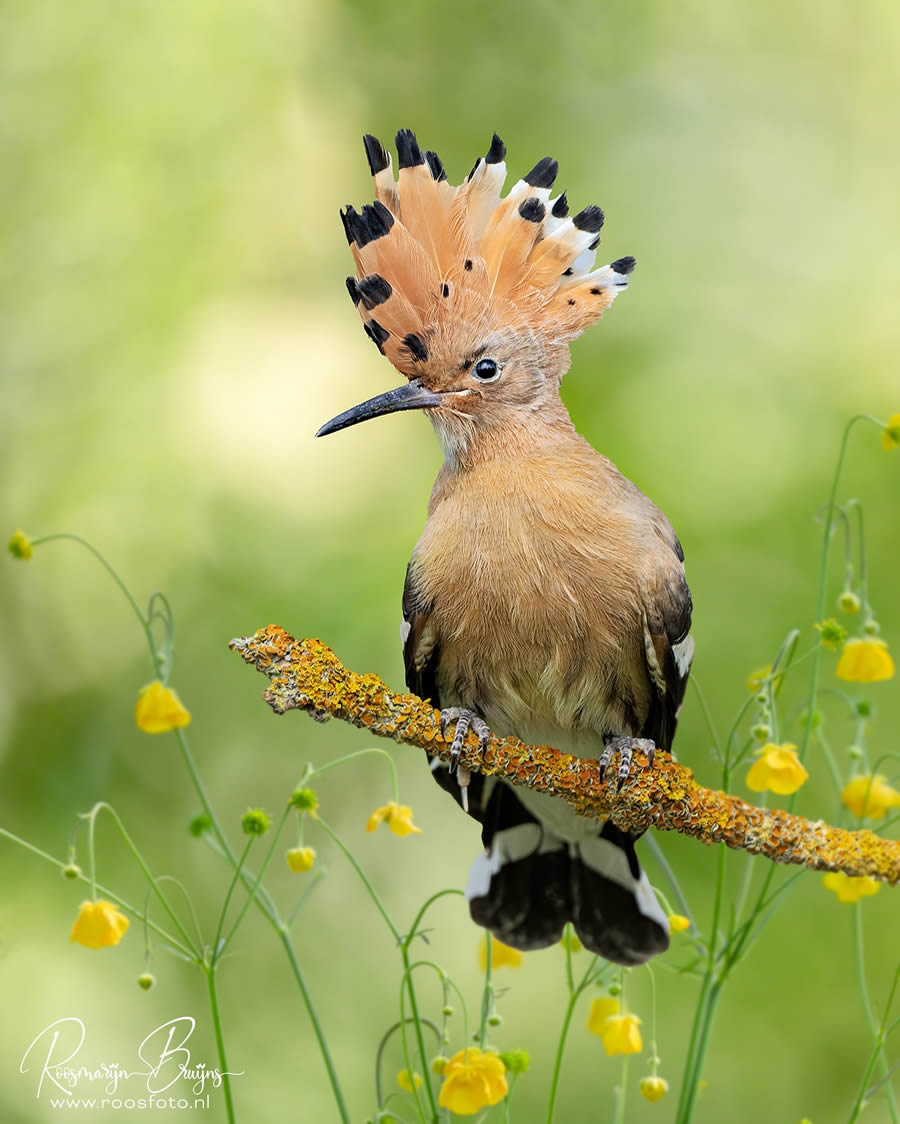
[(473, 297)]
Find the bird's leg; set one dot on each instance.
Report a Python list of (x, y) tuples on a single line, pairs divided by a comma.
[(465, 720), (625, 747)]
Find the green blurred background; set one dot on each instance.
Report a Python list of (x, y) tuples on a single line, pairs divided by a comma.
[(174, 329)]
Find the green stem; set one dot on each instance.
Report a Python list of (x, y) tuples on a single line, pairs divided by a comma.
[(200, 789), (564, 1032), (690, 1088), (129, 597), (217, 942), (570, 977), (220, 1040), (707, 713), (623, 1091), (251, 896), (364, 878), (379, 1054), (288, 944), (708, 993), (395, 784), (420, 1037), (428, 904), (560, 1049), (823, 582), (663, 863), (874, 1028), (187, 898), (487, 994)]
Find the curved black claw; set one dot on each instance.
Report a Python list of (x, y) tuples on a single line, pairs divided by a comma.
[(465, 720), (625, 747)]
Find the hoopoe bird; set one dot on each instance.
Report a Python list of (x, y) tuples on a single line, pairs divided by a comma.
[(546, 598)]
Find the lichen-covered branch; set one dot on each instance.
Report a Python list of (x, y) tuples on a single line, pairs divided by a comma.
[(307, 675)]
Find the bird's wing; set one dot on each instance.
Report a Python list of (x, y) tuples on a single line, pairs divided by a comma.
[(421, 655), (668, 645)]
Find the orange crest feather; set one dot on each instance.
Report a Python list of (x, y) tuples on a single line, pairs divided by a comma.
[(429, 255)]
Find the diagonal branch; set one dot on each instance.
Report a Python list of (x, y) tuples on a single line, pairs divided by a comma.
[(307, 675)]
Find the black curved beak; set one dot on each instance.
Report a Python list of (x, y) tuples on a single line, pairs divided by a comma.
[(413, 396)]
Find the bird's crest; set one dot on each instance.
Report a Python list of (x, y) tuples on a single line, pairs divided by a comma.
[(431, 257)]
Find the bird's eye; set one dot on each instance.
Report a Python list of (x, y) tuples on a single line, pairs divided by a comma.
[(486, 370)]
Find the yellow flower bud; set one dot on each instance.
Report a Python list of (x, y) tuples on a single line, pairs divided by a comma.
[(654, 1088), (146, 980), (409, 1084), (301, 859), (20, 546), (678, 923), (849, 602)]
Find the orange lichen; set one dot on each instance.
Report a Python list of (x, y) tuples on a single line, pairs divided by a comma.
[(307, 675)]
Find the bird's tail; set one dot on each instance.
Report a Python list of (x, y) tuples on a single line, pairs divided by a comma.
[(528, 883)]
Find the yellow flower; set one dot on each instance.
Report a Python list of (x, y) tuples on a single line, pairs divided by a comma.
[(621, 1035), (601, 1010), (99, 925), (20, 546), (778, 769), (890, 435), (502, 956), (870, 796), (407, 1083), (654, 1088), (159, 709), (398, 817), (301, 859), (865, 660), (473, 1080), (678, 923), (850, 889)]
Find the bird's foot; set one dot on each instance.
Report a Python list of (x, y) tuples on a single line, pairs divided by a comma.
[(625, 747), (465, 720)]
